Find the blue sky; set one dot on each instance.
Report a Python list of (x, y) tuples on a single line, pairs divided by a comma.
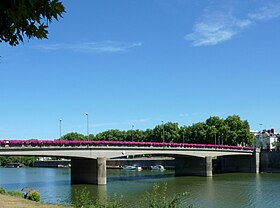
[(140, 62)]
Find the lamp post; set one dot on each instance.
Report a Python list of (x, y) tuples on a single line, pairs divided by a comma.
[(132, 132), (60, 120), (162, 130), (87, 124), (183, 135), (260, 136), (215, 134)]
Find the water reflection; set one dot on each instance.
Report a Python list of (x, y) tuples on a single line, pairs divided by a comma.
[(222, 190)]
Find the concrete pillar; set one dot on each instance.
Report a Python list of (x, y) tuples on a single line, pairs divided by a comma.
[(193, 166), (256, 160), (88, 171), (208, 165)]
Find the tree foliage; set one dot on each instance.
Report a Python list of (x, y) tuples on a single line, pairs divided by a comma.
[(28, 161), (73, 136), (30, 18), (229, 131)]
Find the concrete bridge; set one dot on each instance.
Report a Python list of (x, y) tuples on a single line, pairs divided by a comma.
[(88, 160)]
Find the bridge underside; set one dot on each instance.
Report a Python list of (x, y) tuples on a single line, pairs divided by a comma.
[(188, 165), (193, 166), (237, 163), (88, 171)]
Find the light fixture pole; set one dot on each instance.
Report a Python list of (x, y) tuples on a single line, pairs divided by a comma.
[(87, 124), (260, 127), (132, 132), (162, 130), (215, 134), (260, 136), (183, 135), (60, 120)]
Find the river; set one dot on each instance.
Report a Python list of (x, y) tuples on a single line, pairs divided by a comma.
[(222, 190)]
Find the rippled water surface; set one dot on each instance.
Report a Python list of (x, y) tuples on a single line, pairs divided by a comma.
[(222, 190)]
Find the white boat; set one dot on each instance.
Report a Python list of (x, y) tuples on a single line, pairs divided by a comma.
[(158, 167), (132, 167)]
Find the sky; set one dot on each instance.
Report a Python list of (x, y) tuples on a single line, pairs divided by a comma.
[(132, 62)]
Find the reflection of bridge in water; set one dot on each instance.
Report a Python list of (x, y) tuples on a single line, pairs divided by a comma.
[(88, 158)]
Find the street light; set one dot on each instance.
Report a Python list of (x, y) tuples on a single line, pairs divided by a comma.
[(260, 136), (87, 124), (60, 120), (162, 130), (132, 132), (183, 135), (215, 134)]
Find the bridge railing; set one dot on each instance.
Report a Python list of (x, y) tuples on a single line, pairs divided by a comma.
[(60, 143)]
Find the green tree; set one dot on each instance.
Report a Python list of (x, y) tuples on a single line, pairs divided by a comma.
[(185, 134), (73, 136), (27, 18), (198, 133), (157, 134), (112, 134), (171, 132), (26, 160)]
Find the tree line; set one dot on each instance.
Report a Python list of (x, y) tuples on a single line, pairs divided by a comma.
[(215, 130)]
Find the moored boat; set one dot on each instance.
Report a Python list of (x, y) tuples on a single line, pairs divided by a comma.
[(132, 167), (157, 167)]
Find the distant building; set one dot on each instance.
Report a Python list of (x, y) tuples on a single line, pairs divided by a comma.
[(265, 139)]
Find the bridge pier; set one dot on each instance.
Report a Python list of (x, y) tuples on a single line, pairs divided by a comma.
[(197, 166), (88, 171), (256, 159), (239, 163)]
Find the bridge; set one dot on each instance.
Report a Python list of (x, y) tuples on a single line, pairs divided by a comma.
[(88, 158)]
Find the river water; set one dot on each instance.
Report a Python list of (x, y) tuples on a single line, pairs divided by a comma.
[(220, 191)]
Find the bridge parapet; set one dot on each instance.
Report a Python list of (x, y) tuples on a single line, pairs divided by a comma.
[(83, 143)]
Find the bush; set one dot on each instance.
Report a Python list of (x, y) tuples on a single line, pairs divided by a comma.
[(34, 196), (2, 190), (15, 193), (82, 199), (157, 198)]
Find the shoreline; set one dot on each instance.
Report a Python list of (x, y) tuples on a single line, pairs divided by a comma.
[(7, 201)]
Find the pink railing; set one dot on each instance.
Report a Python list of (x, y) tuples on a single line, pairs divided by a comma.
[(36, 143)]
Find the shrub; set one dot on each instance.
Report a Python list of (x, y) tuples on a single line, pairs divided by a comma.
[(157, 198), (82, 199), (15, 193), (34, 196), (2, 190)]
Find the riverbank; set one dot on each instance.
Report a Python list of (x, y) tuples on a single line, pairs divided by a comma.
[(7, 201)]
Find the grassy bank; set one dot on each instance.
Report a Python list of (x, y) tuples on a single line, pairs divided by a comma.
[(7, 201)]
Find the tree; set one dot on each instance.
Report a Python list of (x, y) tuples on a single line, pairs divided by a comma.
[(198, 133), (73, 136), (172, 132), (30, 18)]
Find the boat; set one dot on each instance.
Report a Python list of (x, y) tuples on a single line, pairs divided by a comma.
[(64, 166), (158, 167), (132, 167), (15, 165)]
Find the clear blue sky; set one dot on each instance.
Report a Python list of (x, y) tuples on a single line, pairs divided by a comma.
[(139, 62)]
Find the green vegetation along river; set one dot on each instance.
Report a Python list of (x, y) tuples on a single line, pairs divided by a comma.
[(222, 190)]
